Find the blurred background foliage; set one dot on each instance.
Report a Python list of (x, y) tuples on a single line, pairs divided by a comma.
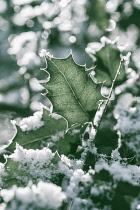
[(27, 26)]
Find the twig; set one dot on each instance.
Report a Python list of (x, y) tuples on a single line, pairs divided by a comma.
[(109, 96), (92, 137)]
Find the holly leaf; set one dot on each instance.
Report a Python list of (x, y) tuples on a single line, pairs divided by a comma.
[(107, 63), (71, 90), (97, 13), (32, 138), (68, 144)]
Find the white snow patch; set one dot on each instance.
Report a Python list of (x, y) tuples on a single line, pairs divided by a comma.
[(39, 165), (31, 123), (44, 195), (2, 173), (46, 54), (119, 172), (49, 194), (115, 154)]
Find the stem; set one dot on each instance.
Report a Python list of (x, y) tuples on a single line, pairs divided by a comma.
[(109, 96), (90, 141)]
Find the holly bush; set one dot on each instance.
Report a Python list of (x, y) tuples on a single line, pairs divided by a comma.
[(69, 105)]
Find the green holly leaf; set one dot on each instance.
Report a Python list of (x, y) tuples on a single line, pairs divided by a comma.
[(97, 13), (31, 139), (56, 158), (107, 63), (68, 144), (71, 90), (12, 172)]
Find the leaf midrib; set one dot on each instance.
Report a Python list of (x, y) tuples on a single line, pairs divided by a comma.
[(72, 91)]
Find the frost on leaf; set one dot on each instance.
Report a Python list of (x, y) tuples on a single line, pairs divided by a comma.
[(71, 90)]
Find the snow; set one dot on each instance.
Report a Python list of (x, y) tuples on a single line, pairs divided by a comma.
[(77, 177), (2, 173), (46, 54), (38, 165), (45, 195), (25, 42), (21, 2), (50, 195), (135, 205), (96, 191), (115, 154), (7, 194), (57, 136), (34, 162), (119, 172), (43, 156), (128, 124), (31, 123), (56, 116), (112, 25), (24, 194), (128, 120)]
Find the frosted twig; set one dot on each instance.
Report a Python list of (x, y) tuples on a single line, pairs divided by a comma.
[(109, 96)]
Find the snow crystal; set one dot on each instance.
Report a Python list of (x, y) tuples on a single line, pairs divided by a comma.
[(31, 123), (115, 154), (46, 54)]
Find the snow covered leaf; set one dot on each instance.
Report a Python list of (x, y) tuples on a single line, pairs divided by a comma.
[(31, 138), (11, 168), (128, 124), (71, 90), (24, 165), (68, 143), (107, 63)]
